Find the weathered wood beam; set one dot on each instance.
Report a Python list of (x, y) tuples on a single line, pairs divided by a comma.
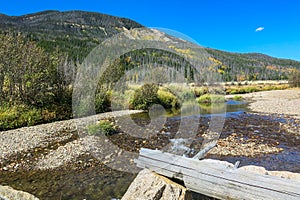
[(217, 178), (201, 154)]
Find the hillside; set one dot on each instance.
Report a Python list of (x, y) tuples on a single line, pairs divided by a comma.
[(73, 32), (251, 66), (254, 59), (76, 33), (41, 54)]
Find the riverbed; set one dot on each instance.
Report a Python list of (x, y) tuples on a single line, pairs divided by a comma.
[(268, 140)]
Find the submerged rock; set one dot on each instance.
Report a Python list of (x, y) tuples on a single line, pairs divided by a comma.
[(8, 193), (151, 186)]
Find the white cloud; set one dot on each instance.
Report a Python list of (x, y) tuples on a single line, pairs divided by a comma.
[(260, 29)]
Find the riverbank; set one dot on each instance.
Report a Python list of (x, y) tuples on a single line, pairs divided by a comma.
[(274, 101), (55, 161), (28, 146)]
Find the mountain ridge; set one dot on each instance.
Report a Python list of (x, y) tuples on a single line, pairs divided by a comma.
[(73, 32), (77, 32)]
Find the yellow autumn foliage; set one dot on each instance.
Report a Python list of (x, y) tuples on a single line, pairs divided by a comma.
[(188, 52)]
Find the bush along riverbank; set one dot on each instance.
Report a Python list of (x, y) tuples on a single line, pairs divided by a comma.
[(58, 153), (20, 114)]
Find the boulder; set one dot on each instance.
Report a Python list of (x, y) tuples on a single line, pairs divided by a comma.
[(151, 186), (263, 171), (8, 193)]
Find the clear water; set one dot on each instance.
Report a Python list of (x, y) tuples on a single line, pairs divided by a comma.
[(101, 183)]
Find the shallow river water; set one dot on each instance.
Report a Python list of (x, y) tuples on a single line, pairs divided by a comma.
[(94, 180)]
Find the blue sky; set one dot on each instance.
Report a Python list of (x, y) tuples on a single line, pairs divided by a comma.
[(222, 24)]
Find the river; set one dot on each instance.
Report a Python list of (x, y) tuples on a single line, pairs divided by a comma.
[(93, 180)]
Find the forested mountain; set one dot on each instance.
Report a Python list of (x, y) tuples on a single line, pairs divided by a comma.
[(41, 53), (251, 66), (73, 32), (76, 33)]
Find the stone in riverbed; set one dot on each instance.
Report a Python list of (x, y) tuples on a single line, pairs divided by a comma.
[(8, 193), (263, 171), (150, 186)]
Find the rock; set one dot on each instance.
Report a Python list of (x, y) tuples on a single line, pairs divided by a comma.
[(263, 171), (151, 186), (8, 193)]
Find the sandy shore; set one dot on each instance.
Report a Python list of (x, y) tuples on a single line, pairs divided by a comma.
[(274, 102)]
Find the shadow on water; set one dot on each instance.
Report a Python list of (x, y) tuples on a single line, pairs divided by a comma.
[(91, 183)]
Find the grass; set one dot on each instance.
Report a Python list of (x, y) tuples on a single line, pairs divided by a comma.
[(211, 98), (150, 94), (254, 88), (135, 96), (18, 116), (121, 100), (199, 91), (105, 127), (21, 115), (183, 92), (167, 99), (237, 98)]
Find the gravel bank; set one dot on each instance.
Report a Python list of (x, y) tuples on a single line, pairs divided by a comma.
[(29, 139), (63, 155), (59, 143), (8, 193), (85, 166), (23, 139), (274, 102)]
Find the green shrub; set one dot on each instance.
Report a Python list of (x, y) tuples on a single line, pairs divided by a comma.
[(15, 116), (211, 98), (200, 91), (145, 97), (31, 116), (234, 91), (20, 115), (183, 91), (250, 89), (103, 102), (150, 94), (187, 95), (254, 88), (121, 100), (55, 112), (167, 99), (294, 79), (237, 98), (105, 127)]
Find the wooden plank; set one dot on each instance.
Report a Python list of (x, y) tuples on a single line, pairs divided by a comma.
[(201, 154), (211, 185), (212, 166), (218, 179)]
